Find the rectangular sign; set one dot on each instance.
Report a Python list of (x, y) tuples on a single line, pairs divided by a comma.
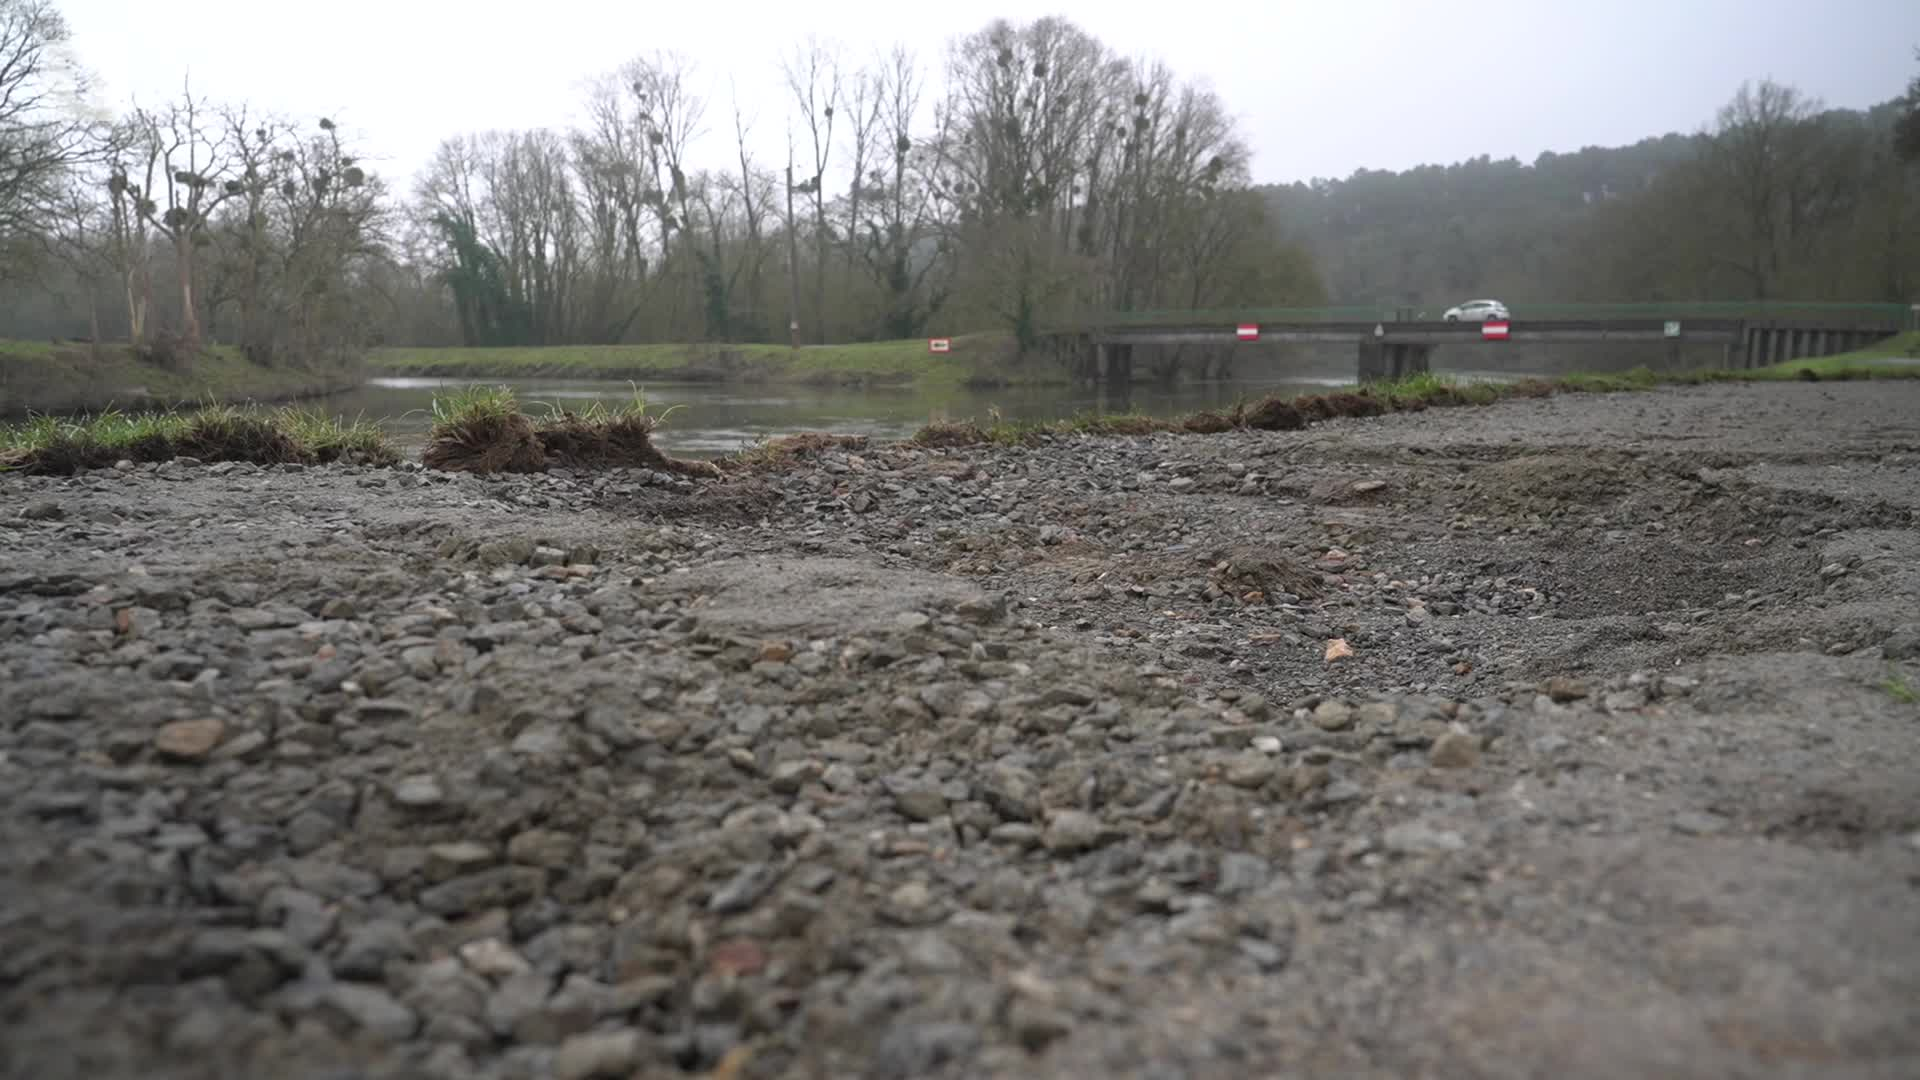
[(1494, 330), (1673, 328), (1249, 332), (939, 344)]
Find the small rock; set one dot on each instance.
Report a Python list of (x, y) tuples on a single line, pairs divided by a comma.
[(189, 740), (44, 510), (920, 802), (545, 848), (493, 958), (788, 777), (1455, 750), (912, 904), (745, 889), (1338, 649), (368, 1009), (742, 956), (1417, 838), (450, 860), (419, 792), (1699, 823), (1035, 1024), (598, 1054), (502, 886), (1333, 716), (1251, 769), (1563, 689), (370, 947), (1075, 830)]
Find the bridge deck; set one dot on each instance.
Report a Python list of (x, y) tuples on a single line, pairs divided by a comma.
[(1558, 331)]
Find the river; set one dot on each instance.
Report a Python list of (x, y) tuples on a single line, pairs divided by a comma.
[(716, 418)]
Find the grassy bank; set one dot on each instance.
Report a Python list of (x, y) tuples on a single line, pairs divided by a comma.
[(483, 429), (1414, 394), (975, 359), (59, 445), (44, 377)]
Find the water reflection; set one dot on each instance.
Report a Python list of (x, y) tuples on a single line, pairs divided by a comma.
[(718, 418)]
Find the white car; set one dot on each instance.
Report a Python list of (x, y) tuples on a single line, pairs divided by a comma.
[(1477, 311)]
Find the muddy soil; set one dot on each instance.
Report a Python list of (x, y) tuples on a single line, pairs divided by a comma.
[(916, 762)]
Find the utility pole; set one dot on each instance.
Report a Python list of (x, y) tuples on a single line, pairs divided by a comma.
[(793, 258)]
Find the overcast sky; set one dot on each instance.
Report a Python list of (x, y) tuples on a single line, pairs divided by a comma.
[(1321, 87)]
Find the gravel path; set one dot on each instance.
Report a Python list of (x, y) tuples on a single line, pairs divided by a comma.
[(987, 762)]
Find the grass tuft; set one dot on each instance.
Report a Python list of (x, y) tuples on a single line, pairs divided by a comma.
[(1899, 689), (213, 432), (1416, 393)]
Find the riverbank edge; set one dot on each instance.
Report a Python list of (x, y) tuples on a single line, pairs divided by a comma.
[(486, 432), (979, 361), (38, 378)]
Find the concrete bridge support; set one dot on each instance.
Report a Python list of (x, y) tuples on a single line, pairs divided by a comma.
[(1760, 346), (1380, 361)]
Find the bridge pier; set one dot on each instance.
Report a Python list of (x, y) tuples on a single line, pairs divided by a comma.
[(1381, 361)]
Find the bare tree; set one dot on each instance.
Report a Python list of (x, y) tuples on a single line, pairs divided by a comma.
[(195, 158), (609, 161), (813, 75), (133, 170), (793, 254), (44, 131), (755, 193), (904, 237), (1906, 124), (1765, 157)]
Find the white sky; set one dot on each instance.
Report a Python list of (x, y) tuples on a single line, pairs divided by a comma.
[(1322, 87)]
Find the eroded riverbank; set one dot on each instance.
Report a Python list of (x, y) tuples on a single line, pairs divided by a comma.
[(987, 761)]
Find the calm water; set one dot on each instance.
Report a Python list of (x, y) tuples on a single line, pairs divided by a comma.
[(718, 418)]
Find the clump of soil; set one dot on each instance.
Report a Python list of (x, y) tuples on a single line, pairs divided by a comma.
[(1275, 414), (486, 443), (814, 443), (1242, 570), (579, 442), (949, 434), (1543, 480), (1355, 405), (235, 438), (59, 457), (1129, 425), (1208, 422)]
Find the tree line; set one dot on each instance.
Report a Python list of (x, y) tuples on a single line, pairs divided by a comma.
[(1049, 176), (1776, 198), (1029, 177)]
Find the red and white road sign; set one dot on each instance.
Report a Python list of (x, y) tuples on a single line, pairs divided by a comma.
[(1494, 330), (1249, 332), (939, 344)]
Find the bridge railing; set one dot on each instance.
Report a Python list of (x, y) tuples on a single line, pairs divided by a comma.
[(1892, 316)]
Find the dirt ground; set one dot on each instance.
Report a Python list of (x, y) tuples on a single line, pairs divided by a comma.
[(1569, 737)]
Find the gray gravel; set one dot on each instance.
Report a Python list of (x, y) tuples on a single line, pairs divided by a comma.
[(990, 762)]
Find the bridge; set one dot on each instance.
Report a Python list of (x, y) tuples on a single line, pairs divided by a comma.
[(1396, 342)]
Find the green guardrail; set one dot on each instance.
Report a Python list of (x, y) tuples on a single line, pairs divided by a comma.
[(1894, 316)]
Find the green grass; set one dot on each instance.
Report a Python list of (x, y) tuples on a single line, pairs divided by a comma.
[(1899, 689), (213, 432), (40, 376), (473, 404), (882, 362), (634, 407), (1414, 393)]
